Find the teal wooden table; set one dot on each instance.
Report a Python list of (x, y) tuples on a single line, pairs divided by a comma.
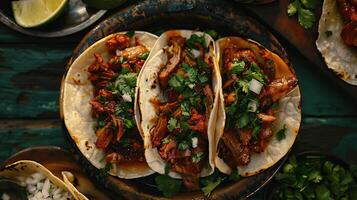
[(31, 70)]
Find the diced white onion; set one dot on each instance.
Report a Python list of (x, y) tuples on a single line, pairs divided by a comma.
[(255, 86), (5, 196), (195, 53), (194, 142), (46, 188), (252, 106), (127, 97)]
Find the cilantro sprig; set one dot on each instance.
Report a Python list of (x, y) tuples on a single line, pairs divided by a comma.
[(304, 10)]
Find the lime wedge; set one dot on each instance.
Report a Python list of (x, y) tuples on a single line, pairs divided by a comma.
[(33, 13)]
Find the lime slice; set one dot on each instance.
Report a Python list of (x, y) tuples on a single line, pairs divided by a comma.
[(104, 4), (33, 13)]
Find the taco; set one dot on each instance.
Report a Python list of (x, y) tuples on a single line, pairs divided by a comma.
[(337, 39), (259, 110), (177, 97), (38, 182), (98, 103)]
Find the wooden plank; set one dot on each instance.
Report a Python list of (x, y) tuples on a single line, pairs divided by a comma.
[(30, 78), (8, 35), (19, 134)]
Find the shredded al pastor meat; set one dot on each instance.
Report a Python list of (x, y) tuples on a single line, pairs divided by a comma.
[(112, 105), (180, 132), (251, 95)]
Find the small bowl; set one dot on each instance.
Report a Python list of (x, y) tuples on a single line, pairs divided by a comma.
[(271, 187)]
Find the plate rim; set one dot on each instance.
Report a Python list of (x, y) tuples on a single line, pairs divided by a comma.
[(6, 20)]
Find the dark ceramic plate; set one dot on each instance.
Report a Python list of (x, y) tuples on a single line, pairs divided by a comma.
[(74, 18), (57, 160), (157, 16)]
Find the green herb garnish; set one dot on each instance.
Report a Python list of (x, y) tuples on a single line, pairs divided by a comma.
[(304, 10), (168, 186), (280, 135)]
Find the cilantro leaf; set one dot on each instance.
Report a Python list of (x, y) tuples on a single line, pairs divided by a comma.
[(237, 67), (315, 177), (293, 8), (129, 123), (311, 4), (144, 56), (168, 186), (212, 33), (197, 157), (280, 135), (130, 33), (210, 183), (184, 145), (125, 84), (243, 120), (172, 124), (176, 82), (191, 42), (243, 85), (306, 18), (322, 193)]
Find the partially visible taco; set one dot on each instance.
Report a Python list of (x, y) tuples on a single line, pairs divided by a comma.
[(337, 39), (38, 181), (259, 110), (98, 103), (178, 91)]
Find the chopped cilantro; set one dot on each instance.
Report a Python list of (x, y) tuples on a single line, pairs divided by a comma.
[(314, 177), (172, 124), (237, 67), (234, 176), (212, 33), (144, 56), (197, 157), (104, 172), (125, 142), (306, 18), (311, 4), (177, 82), (168, 186), (184, 145), (195, 39), (124, 70), (275, 106), (292, 8), (130, 33), (243, 120), (100, 121), (185, 109), (255, 132), (210, 183), (125, 84), (129, 123), (167, 168), (243, 85), (166, 140), (304, 8), (101, 99), (280, 135)]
